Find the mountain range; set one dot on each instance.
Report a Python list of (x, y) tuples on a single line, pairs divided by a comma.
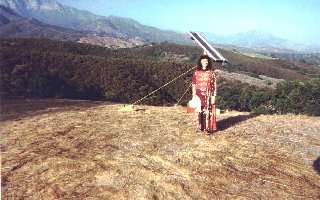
[(49, 15), (14, 25), (261, 41), (53, 13)]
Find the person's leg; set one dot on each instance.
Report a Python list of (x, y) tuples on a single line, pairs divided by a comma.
[(212, 125)]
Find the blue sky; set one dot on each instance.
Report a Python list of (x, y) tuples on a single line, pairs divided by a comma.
[(295, 20)]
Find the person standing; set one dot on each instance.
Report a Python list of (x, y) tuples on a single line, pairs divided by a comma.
[(204, 87)]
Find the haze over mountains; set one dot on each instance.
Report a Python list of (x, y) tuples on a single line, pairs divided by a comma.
[(51, 12), (83, 24), (14, 25)]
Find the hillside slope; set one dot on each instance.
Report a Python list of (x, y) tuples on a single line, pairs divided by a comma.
[(47, 68), (56, 149), (56, 59)]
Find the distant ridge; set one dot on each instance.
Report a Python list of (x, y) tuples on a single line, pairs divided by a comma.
[(260, 41), (15, 26), (53, 13)]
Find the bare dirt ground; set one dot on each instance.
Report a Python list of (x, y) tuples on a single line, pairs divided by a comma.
[(63, 149)]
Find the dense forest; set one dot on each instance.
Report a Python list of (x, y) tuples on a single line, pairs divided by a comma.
[(47, 68)]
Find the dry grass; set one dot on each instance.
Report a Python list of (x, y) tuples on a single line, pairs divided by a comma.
[(62, 149)]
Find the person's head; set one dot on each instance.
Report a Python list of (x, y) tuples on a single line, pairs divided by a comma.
[(204, 63)]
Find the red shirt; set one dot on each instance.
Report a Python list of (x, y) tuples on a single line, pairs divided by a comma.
[(205, 84), (204, 80)]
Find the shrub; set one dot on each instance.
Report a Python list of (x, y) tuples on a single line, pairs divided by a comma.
[(261, 100), (262, 110), (39, 86), (228, 97), (312, 105)]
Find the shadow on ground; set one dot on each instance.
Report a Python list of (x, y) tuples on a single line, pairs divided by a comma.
[(316, 165), (16, 108), (231, 121)]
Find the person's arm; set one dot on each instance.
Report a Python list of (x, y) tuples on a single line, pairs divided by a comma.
[(194, 86), (214, 92), (193, 91)]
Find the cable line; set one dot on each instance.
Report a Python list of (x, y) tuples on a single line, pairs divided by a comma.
[(163, 86)]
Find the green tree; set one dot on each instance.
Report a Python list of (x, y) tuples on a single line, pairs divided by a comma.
[(312, 106), (261, 101), (282, 95), (228, 97)]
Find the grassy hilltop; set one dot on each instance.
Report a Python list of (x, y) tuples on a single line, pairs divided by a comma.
[(53, 147), (57, 149)]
